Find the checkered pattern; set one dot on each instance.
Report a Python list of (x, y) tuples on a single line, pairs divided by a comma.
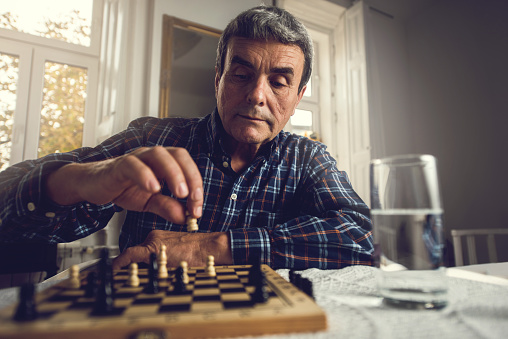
[(291, 207)]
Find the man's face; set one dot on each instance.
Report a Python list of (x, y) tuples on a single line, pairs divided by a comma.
[(258, 90)]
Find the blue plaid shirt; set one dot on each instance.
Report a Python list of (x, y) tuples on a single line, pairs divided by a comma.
[(291, 207)]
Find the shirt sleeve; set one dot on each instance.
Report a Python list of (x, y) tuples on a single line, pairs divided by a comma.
[(26, 214), (331, 228)]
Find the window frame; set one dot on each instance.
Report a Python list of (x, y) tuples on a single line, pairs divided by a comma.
[(33, 52)]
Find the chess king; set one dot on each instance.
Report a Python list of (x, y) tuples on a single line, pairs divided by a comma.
[(255, 190)]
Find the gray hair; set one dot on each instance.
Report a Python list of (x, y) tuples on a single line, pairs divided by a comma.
[(268, 23)]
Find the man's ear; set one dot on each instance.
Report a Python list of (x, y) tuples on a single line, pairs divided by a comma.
[(300, 96)]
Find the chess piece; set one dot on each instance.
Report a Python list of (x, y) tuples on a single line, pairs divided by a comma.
[(104, 297), (260, 294), (26, 310), (162, 260), (255, 272), (185, 268), (210, 267), (192, 223), (91, 285), (133, 280), (306, 287), (153, 281), (179, 286), (73, 281)]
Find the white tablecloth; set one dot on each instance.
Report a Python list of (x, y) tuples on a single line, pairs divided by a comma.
[(478, 307)]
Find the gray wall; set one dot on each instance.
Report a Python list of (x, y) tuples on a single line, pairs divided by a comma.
[(439, 85)]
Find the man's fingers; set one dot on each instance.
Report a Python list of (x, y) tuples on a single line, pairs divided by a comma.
[(176, 166), (131, 255), (194, 181), (135, 170), (165, 165), (166, 207)]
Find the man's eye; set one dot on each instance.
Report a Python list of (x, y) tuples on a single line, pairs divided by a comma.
[(277, 84)]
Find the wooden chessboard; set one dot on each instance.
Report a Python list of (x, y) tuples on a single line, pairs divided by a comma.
[(217, 306)]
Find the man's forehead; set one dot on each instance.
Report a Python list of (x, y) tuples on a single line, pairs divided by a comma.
[(243, 50)]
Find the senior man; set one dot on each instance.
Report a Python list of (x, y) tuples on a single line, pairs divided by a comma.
[(258, 192)]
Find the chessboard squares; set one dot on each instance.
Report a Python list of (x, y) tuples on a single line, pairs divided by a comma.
[(238, 296), (177, 299), (229, 277), (206, 305), (179, 303), (206, 291), (205, 282), (147, 301)]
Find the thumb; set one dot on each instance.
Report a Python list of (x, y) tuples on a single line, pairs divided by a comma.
[(131, 255)]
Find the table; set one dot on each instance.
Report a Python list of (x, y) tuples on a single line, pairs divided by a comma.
[(478, 306)]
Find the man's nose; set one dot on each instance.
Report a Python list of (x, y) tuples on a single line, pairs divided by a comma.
[(257, 95)]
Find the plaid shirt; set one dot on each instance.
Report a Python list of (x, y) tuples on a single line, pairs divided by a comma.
[(291, 207)]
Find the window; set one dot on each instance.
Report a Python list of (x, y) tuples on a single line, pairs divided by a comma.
[(49, 56), (305, 121)]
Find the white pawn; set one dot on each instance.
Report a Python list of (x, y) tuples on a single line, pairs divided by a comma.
[(73, 281), (133, 280), (192, 224), (210, 268), (185, 268), (162, 260)]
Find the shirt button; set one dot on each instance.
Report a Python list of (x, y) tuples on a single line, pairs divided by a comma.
[(225, 164), (50, 214), (31, 206), (233, 196)]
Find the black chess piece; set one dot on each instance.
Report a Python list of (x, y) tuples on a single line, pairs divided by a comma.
[(179, 286), (104, 302), (292, 276), (91, 285), (153, 278), (306, 287), (26, 310), (260, 294), (255, 272)]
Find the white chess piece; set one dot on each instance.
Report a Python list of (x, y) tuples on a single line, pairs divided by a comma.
[(133, 280), (192, 224), (74, 277), (210, 268), (185, 268), (162, 260)]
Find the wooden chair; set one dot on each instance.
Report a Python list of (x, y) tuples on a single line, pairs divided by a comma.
[(471, 235)]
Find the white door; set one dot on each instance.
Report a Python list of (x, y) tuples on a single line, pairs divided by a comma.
[(357, 99)]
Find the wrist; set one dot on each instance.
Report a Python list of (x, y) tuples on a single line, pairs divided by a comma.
[(61, 187)]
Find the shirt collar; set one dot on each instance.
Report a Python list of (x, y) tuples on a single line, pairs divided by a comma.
[(216, 133)]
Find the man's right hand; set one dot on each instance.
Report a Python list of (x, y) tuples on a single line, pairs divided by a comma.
[(131, 181)]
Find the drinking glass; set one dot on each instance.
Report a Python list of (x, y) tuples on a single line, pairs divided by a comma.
[(407, 215)]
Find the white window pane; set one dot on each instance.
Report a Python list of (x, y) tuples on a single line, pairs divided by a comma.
[(66, 20), (302, 118), (9, 69), (63, 108), (308, 91)]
